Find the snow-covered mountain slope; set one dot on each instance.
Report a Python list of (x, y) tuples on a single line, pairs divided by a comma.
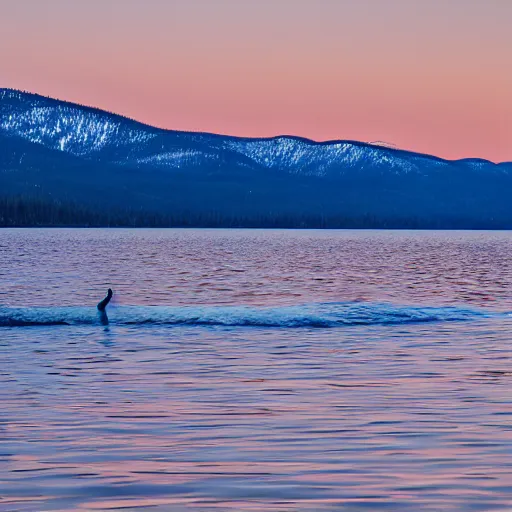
[(68, 128), (95, 134), (85, 154)]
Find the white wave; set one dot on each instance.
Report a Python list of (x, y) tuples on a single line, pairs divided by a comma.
[(325, 315)]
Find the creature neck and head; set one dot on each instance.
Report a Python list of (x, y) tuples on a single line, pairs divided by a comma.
[(102, 307), (104, 303)]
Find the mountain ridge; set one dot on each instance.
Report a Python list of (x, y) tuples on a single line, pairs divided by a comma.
[(59, 151), (297, 138)]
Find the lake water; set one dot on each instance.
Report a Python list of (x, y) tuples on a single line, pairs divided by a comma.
[(256, 370)]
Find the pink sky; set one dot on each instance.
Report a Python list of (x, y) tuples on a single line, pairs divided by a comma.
[(427, 75)]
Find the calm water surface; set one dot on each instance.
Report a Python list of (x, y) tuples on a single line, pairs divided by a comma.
[(256, 370)]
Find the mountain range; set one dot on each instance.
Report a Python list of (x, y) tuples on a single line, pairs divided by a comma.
[(67, 155)]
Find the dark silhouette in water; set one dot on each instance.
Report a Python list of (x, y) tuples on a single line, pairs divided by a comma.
[(102, 307), (104, 303)]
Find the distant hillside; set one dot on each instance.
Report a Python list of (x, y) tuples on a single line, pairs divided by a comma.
[(103, 167)]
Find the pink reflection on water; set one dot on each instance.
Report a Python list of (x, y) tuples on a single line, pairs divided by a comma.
[(199, 418)]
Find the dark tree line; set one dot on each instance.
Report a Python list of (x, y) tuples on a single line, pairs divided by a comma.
[(42, 212)]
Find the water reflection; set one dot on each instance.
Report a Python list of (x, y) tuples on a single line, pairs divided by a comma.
[(184, 267), (257, 419), (396, 417)]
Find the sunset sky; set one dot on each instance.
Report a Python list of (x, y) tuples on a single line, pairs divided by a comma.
[(427, 75)]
